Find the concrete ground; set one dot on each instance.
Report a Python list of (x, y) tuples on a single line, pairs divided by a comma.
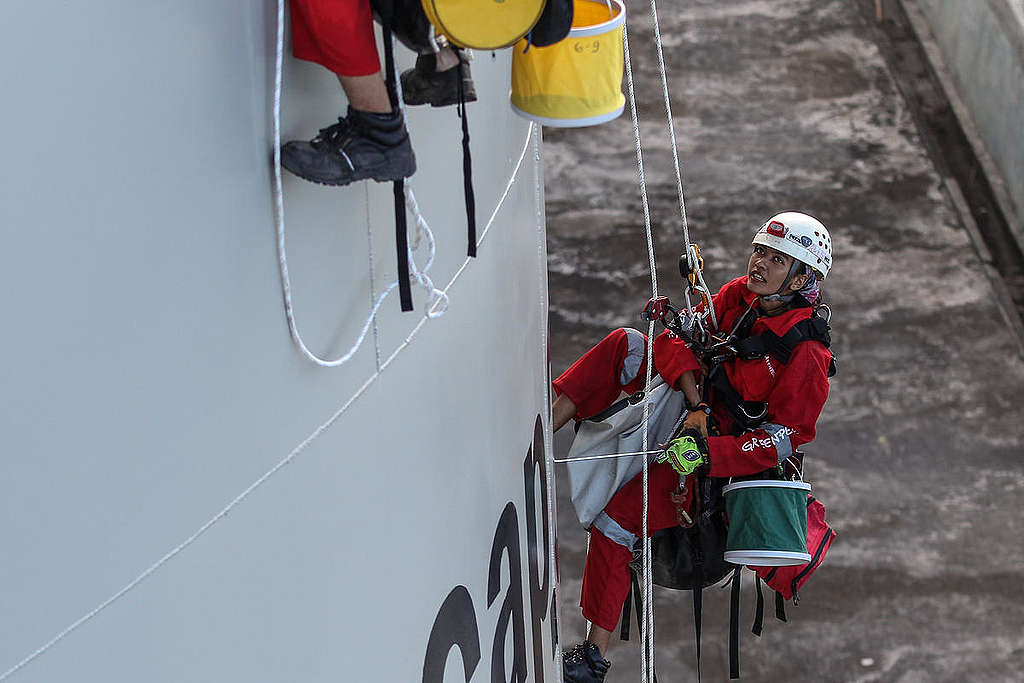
[(791, 104)]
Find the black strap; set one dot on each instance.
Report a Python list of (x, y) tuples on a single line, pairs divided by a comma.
[(621, 404), (734, 626), (780, 607), (401, 231), (732, 401), (814, 328), (624, 628), (467, 166), (402, 245), (759, 611), (637, 598)]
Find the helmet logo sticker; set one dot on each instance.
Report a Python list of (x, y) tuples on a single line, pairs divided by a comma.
[(822, 254), (805, 240), (777, 229)]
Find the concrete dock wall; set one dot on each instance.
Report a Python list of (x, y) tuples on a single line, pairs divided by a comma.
[(982, 46)]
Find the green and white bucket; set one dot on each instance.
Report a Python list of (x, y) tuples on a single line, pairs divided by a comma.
[(767, 523)]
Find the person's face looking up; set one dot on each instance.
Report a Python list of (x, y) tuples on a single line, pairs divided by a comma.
[(767, 271)]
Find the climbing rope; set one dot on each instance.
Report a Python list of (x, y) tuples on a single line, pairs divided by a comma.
[(549, 449), (696, 283), (647, 625), (373, 279), (422, 229)]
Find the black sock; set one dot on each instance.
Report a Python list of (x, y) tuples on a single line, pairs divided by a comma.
[(387, 129)]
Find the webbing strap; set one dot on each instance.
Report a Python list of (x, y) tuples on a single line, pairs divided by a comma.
[(734, 626), (401, 232), (619, 405), (759, 611), (814, 328), (637, 595), (402, 245), (780, 607), (738, 409), (467, 166), (626, 607)]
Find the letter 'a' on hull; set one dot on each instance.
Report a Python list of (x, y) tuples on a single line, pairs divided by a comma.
[(152, 394)]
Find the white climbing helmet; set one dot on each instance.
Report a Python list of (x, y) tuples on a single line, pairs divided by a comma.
[(803, 237)]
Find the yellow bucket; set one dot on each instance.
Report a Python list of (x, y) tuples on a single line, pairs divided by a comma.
[(578, 81), (483, 24)]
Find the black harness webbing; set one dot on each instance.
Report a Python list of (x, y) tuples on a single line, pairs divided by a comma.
[(401, 231), (814, 328), (734, 626), (780, 602), (759, 611), (467, 167), (746, 414), (638, 599)]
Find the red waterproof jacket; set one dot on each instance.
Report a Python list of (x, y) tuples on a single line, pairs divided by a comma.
[(795, 392)]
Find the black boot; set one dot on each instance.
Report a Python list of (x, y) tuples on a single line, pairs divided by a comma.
[(423, 84), (584, 664), (360, 146)]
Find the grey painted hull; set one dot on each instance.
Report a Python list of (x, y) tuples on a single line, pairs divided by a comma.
[(149, 378)]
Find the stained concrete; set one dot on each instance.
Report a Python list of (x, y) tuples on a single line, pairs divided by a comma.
[(982, 46), (791, 104)]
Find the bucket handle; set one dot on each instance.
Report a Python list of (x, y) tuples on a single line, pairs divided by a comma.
[(796, 466)]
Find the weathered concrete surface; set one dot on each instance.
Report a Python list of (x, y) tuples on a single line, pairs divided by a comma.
[(789, 104), (982, 45)]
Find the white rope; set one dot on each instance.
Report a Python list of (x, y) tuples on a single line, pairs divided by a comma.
[(647, 626), (690, 254), (295, 452), (549, 448), (422, 228), (671, 124), (373, 293), (607, 456)]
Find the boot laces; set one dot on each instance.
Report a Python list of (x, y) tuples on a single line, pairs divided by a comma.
[(337, 135)]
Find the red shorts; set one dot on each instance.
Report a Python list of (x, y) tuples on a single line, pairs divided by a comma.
[(337, 34)]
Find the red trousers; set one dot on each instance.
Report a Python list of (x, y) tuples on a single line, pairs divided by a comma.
[(337, 34), (616, 364), (593, 383), (606, 574)]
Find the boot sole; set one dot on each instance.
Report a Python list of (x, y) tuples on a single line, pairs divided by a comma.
[(376, 177)]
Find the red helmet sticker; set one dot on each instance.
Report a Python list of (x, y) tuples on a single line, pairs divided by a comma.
[(777, 229)]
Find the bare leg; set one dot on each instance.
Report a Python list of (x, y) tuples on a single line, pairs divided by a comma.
[(562, 411), (366, 93), (446, 59), (600, 637)]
